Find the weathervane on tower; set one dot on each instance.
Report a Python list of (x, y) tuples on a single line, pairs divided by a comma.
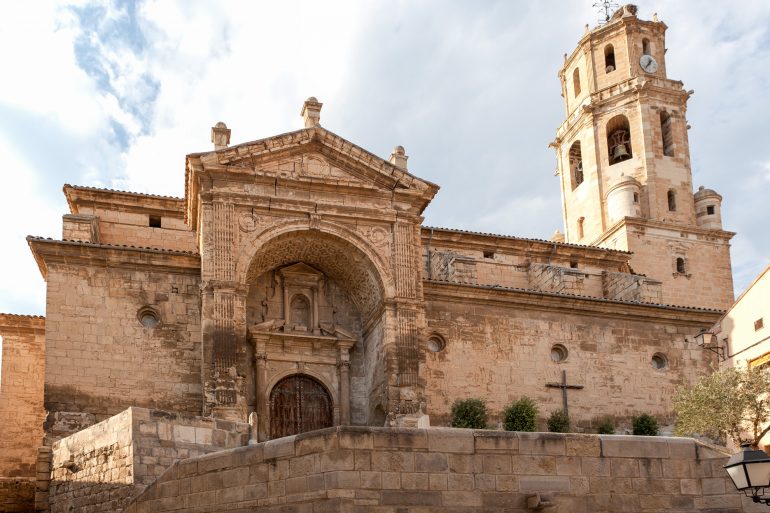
[(605, 8)]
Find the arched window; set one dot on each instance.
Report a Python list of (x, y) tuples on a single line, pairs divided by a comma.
[(580, 223), (671, 201), (609, 59), (576, 81), (300, 312), (646, 46), (576, 164), (680, 266), (618, 140), (666, 135)]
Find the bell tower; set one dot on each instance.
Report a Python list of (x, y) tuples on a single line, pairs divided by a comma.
[(623, 160)]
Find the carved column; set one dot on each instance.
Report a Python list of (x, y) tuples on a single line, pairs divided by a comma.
[(223, 313), (260, 383), (344, 379)]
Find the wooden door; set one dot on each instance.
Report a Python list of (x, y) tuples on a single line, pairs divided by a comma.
[(298, 404)]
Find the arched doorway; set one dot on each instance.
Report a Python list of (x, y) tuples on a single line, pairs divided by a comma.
[(298, 404)]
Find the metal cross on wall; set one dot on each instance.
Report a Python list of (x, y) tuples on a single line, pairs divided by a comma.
[(564, 386)]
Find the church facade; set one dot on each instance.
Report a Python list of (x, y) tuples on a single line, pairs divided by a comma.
[(294, 286)]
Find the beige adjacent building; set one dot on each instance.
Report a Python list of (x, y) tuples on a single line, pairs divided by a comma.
[(295, 287), (742, 335)]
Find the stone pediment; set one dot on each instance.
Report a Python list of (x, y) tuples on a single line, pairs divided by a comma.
[(315, 154)]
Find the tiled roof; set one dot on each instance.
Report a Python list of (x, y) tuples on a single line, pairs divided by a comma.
[(115, 246), (103, 189), (579, 296), (513, 237), (22, 316)]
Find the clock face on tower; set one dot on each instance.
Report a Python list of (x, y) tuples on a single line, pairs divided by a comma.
[(648, 64)]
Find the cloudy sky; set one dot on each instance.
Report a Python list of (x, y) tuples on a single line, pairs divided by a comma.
[(114, 94)]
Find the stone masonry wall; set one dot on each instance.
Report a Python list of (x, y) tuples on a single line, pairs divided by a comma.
[(102, 467), (21, 393), (381, 470), (499, 348), (630, 287), (101, 359), (17, 494)]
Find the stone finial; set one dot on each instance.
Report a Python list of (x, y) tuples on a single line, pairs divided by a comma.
[(398, 158), (220, 136), (655, 17), (311, 112), (557, 236)]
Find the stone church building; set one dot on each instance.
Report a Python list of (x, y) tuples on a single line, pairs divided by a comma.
[(295, 287)]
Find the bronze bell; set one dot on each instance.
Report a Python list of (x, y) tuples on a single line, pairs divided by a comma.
[(620, 153)]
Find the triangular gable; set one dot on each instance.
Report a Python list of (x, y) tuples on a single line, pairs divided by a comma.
[(335, 158)]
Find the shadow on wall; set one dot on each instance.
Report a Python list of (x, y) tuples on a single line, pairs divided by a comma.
[(17, 494)]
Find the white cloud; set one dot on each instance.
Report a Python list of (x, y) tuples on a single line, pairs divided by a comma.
[(470, 90)]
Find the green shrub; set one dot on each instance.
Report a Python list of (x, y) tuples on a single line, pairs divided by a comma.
[(605, 426), (520, 415), (558, 422), (645, 424), (469, 413)]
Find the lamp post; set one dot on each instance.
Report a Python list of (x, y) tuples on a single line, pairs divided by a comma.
[(707, 340), (749, 470)]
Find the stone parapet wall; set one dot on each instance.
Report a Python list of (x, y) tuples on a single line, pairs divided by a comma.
[(102, 467), (631, 287), (17, 494), (383, 470)]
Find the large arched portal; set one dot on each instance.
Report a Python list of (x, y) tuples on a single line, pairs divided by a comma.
[(315, 307), (298, 404)]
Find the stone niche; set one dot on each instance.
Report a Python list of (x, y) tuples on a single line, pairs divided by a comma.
[(305, 335)]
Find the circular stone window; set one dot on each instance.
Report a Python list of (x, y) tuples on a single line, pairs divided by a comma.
[(148, 317), (559, 353), (436, 344), (659, 361)]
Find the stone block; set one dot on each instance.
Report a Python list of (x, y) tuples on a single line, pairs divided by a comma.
[(296, 485), (506, 483), (586, 445), (681, 448), (544, 484), (411, 498), (496, 464), (362, 460), (485, 482), (460, 499), (649, 467), (318, 441), (355, 438), (371, 480), (465, 463), (277, 470), (628, 446), (279, 448), (717, 502), (451, 440), (414, 481), (391, 480), (341, 459), (438, 482), (214, 461), (552, 444), (303, 466), (342, 479), (432, 462), (624, 467), (255, 491), (714, 486), (400, 438), (392, 461), (568, 466), (460, 481), (538, 465), (496, 441)]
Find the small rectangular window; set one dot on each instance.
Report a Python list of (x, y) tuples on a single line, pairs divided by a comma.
[(759, 324), (489, 254), (710, 210), (573, 264), (154, 221)]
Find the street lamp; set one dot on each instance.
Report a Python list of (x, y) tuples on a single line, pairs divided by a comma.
[(750, 471), (707, 340)]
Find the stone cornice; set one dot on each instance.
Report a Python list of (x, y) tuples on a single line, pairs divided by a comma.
[(462, 239), (638, 222), (373, 172), (21, 324), (567, 304), (109, 199), (50, 251)]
